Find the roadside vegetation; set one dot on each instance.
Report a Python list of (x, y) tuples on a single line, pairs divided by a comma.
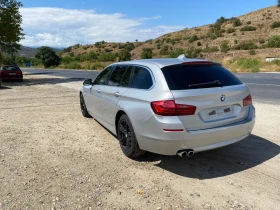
[(243, 40)]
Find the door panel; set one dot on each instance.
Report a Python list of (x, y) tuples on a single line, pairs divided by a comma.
[(108, 101)]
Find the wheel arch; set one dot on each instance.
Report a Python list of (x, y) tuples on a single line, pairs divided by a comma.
[(118, 116)]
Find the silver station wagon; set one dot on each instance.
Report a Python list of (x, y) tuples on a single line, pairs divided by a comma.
[(169, 106)]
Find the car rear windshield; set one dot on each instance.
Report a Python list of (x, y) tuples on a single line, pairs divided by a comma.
[(11, 68), (182, 77)]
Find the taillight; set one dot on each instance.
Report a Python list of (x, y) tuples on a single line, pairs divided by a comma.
[(247, 101), (170, 108)]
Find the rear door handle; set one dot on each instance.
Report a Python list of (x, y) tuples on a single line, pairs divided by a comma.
[(117, 94)]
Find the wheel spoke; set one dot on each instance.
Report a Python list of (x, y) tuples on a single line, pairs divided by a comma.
[(122, 129)]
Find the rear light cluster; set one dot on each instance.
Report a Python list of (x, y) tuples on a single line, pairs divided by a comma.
[(170, 108), (247, 101)]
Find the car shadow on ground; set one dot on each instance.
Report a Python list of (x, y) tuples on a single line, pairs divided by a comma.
[(4, 88), (235, 158), (42, 81)]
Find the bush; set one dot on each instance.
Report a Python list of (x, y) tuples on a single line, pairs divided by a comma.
[(147, 53), (250, 64), (252, 52), (261, 41), (248, 28), (274, 41), (175, 53), (235, 41), (246, 45), (193, 38), (236, 22), (249, 22), (275, 25), (164, 50), (73, 65), (211, 49), (277, 62), (193, 52), (225, 46), (124, 56), (231, 30), (199, 44)]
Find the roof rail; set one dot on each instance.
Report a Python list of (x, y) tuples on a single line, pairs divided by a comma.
[(182, 57)]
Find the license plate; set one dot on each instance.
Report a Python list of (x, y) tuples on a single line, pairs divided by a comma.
[(219, 113), (12, 74)]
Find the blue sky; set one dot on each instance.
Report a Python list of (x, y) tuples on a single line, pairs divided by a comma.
[(52, 22)]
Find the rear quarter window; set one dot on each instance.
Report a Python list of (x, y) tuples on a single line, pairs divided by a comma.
[(181, 77), (142, 79)]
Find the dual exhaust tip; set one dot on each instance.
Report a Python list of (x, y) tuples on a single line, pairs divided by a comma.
[(185, 153)]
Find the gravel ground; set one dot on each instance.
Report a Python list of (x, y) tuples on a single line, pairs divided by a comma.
[(53, 158)]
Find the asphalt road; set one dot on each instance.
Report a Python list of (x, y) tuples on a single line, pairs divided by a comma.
[(265, 87)]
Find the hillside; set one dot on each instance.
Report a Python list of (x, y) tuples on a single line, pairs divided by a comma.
[(27, 52), (227, 38)]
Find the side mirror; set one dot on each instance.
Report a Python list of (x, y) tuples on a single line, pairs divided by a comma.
[(87, 82)]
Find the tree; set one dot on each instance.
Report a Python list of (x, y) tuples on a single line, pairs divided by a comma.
[(147, 53), (48, 56), (10, 26), (278, 4)]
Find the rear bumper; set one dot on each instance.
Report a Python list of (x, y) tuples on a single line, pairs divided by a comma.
[(151, 136), (12, 78)]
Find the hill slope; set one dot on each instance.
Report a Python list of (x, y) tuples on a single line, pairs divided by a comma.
[(227, 38)]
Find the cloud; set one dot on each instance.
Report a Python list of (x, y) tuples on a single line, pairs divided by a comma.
[(58, 27)]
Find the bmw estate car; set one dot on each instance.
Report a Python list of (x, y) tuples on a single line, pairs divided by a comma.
[(169, 106)]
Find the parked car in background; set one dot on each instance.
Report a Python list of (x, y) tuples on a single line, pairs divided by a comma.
[(11, 73), (169, 106), (0, 80)]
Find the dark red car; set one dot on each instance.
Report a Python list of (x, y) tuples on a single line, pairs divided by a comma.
[(11, 73)]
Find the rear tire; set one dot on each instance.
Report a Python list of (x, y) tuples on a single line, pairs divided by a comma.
[(127, 138), (83, 107)]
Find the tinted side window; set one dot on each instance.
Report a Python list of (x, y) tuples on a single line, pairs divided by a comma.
[(102, 77), (126, 78), (142, 78), (182, 77), (117, 76)]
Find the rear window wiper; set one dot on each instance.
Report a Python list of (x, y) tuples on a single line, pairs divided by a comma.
[(215, 83)]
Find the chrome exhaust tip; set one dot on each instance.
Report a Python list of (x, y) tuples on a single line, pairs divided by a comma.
[(182, 153), (186, 153)]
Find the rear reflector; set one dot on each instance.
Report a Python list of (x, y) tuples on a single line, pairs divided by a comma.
[(173, 130), (247, 101), (170, 108)]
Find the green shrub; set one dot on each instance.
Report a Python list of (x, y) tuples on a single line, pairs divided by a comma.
[(211, 49), (252, 52), (261, 41), (147, 53), (199, 44), (193, 38), (225, 46), (73, 65), (275, 24), (98, 66), (248, 28), (193, 52), (249, 22), (235, 41), (250, 64), (236, 22), (175, 53), (164, 50), (246, 45), (277, 62), (231, 30), (274, 41)]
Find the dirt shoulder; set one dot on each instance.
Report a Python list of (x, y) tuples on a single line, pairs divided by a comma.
[(53, 158)]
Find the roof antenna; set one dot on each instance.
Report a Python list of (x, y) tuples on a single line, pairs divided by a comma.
[(182, 57)]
